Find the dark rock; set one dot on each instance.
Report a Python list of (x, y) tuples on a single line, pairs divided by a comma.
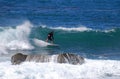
[(18, 58)]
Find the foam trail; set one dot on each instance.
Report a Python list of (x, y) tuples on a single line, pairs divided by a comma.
[(16, 38)]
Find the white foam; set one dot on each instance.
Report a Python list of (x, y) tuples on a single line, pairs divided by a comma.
[(91, 69), (81, 28), (110, 30), (16, 38), (3, 50)]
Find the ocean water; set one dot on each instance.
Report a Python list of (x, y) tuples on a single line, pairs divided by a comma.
[(89, 28)]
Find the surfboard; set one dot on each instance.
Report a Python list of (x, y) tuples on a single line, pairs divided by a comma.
[(42, 43), (53, 45)]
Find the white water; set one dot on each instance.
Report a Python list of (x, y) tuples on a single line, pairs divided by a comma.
[(82, 29), (91, 69), (79, 29), (15, 38)]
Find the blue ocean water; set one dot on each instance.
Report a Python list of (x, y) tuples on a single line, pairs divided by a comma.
[(90, 28), (100, 14)]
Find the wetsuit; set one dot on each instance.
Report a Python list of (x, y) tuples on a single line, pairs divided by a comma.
[(50, 36)]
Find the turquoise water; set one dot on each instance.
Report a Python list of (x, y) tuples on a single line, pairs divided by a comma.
[(89, 41)]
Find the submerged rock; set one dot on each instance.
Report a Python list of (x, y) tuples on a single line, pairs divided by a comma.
[(58, 58), (38, 58), (70, 58)]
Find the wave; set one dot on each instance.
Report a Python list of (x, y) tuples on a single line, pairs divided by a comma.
[(75, 39), (73, 28), (91, 69), (22, 37), (78, 29), (13, 38)]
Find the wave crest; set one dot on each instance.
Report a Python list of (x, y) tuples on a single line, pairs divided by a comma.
[(82, 28), (14, 38)]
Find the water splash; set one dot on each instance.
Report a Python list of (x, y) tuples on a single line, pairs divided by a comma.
[(14, 38)]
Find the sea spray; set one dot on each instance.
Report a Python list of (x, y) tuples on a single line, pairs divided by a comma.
[(16, 38)]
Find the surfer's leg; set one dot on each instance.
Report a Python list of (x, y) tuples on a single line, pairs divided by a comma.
[(47, 40), (51, 40)]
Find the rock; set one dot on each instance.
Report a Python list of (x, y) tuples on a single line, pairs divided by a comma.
[(18, 58), (59, 58)]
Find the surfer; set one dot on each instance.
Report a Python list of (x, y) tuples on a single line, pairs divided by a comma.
[(50, 37)]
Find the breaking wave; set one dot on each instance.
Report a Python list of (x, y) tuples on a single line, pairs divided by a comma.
[(15, 38)]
